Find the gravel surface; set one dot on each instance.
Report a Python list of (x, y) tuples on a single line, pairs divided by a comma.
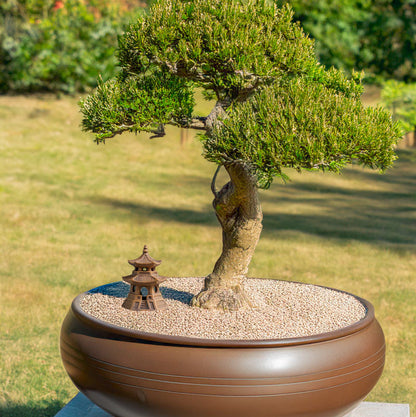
[(284, 310)]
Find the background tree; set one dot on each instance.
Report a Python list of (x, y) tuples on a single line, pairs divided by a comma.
[(376, 36), (390, 39), (400, 98), (337, 28), (276, 108)]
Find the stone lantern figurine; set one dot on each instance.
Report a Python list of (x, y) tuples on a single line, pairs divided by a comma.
[(144, 285)]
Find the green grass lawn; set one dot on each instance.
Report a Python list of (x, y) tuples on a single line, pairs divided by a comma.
[(72, 213)]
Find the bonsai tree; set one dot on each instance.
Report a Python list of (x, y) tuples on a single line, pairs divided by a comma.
[(276, 108)]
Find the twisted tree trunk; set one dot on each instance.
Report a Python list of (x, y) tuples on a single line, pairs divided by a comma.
[(239, 212)]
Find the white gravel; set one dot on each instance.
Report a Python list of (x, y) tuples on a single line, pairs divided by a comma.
[(284, 310)]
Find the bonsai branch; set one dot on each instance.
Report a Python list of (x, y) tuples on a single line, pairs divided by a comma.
[(214, 179), (197, 123)]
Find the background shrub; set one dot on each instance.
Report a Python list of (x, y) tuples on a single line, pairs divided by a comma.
[(59, 45), (377, 36)]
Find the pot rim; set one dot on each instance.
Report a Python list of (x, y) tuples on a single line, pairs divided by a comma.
[(224, 343)]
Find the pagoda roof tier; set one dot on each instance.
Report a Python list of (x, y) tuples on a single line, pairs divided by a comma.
[(143, 278), (144, 260)]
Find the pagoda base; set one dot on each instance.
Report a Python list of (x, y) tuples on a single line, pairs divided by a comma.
[(138, 302)]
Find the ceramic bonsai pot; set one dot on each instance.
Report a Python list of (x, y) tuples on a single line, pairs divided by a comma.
[(130, 373)]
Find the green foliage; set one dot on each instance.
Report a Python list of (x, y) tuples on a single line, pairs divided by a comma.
[(400, 98), (218, 44), (281, 107), (25, 9), (336, 27), (137, 104), (390, 39), (64, 49), (376, 36), (302, 125)]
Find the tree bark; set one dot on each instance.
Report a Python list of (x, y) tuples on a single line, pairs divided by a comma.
[(239, 212)]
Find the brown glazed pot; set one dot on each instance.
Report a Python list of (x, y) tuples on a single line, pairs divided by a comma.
[(130, 373)]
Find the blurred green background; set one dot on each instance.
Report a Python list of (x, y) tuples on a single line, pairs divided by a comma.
[(72, 213)]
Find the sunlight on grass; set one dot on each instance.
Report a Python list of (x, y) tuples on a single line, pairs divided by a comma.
[(72, 213)]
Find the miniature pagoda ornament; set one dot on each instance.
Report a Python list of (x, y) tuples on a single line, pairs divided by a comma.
[(144, 285)]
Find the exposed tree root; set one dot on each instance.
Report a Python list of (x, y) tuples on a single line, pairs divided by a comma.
[(227, 299)]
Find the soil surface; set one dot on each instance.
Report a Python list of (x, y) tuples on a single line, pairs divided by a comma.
[(284, 310)]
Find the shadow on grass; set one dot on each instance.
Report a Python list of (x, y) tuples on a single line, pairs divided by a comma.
[(41, 409), (403, 172), (383, 210), (364, 227), (146, 212)]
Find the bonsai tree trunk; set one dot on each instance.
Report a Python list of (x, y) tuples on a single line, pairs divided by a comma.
[(239, 212)]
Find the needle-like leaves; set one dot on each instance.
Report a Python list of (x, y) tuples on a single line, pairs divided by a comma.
[(282, 108), (303, 125)]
